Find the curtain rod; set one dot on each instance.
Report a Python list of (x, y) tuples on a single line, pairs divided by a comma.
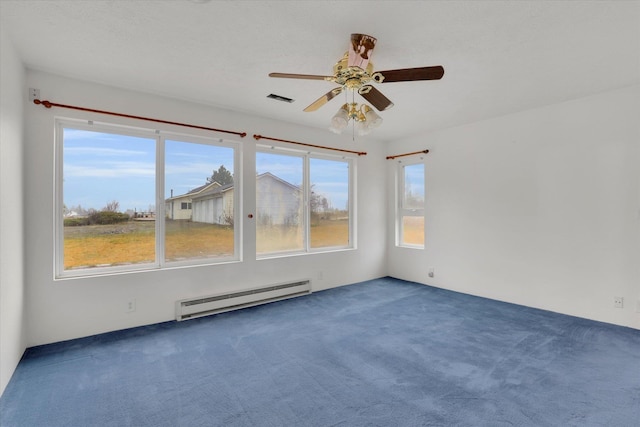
[(49, 104), (359, 153), (407, 154)]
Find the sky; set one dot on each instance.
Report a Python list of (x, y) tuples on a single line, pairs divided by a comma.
[(99, 168), (414, 180)]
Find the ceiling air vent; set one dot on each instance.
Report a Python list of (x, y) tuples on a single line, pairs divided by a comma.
[(280, 98)]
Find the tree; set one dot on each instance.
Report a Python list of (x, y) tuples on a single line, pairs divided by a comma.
[(112, 206), (222, 176), (108, 215), (318, 204)]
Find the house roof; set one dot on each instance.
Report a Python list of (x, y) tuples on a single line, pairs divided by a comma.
[(196, 191), (276, 178), (215, 189), (213, 192)]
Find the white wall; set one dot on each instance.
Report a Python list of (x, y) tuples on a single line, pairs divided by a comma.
[(64, 309), (540, 208), (12, 88)]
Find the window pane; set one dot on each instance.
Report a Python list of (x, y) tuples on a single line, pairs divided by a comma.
[(109, 199), (411, 209), (279, 225), (413, 230), (329, 203), (199, 191), (414, 186)]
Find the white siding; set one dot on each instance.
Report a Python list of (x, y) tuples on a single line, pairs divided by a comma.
[(276, 202), (174, 208)]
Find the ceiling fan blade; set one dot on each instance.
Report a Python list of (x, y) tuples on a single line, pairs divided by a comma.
[(412, 74), (324, 99), (360, 50), (375, 97), (301, 76)]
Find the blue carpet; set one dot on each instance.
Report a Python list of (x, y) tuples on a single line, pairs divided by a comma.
[(380, 353)]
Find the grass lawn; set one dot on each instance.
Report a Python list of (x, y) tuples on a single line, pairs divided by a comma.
[(96, 245), (133, 242), (413, 230)]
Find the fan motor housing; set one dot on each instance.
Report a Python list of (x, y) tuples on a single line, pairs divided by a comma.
[(351, 77)]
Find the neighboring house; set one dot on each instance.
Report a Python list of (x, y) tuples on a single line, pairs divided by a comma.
[(277, 202), (214, 205), (181, 207)]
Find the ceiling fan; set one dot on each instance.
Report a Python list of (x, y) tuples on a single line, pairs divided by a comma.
[(354, 72)]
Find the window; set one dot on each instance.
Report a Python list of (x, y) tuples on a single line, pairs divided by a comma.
[(132, 199), (303, 202), (411, 198), (199, 176), (329, 203), (279, 203)]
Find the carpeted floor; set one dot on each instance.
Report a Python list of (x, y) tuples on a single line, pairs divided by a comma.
[(380, 353)]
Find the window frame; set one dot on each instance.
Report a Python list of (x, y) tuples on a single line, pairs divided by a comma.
[(401, 210), (160, 136), (306, 194)]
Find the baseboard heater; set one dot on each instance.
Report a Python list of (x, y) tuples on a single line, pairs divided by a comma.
[(213, 304)]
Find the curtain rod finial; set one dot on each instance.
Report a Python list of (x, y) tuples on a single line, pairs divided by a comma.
[(47, 104)]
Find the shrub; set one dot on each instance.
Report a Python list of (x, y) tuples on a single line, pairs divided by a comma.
[(107, 217), (227, 218), (76, 222)]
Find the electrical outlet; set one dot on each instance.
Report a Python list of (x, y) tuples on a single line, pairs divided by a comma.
[(431, 272), (34, 94), (131, 306), (618, 302)]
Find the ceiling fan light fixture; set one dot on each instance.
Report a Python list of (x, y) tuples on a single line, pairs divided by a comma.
[(362, 128), (364, 119), (340, 120), (372, 118)]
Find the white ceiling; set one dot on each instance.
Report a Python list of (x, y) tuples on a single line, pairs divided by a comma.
[(499, 56)]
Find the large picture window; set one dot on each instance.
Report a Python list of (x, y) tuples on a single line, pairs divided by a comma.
[(303, 202), (131, 199), (411, 199)]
